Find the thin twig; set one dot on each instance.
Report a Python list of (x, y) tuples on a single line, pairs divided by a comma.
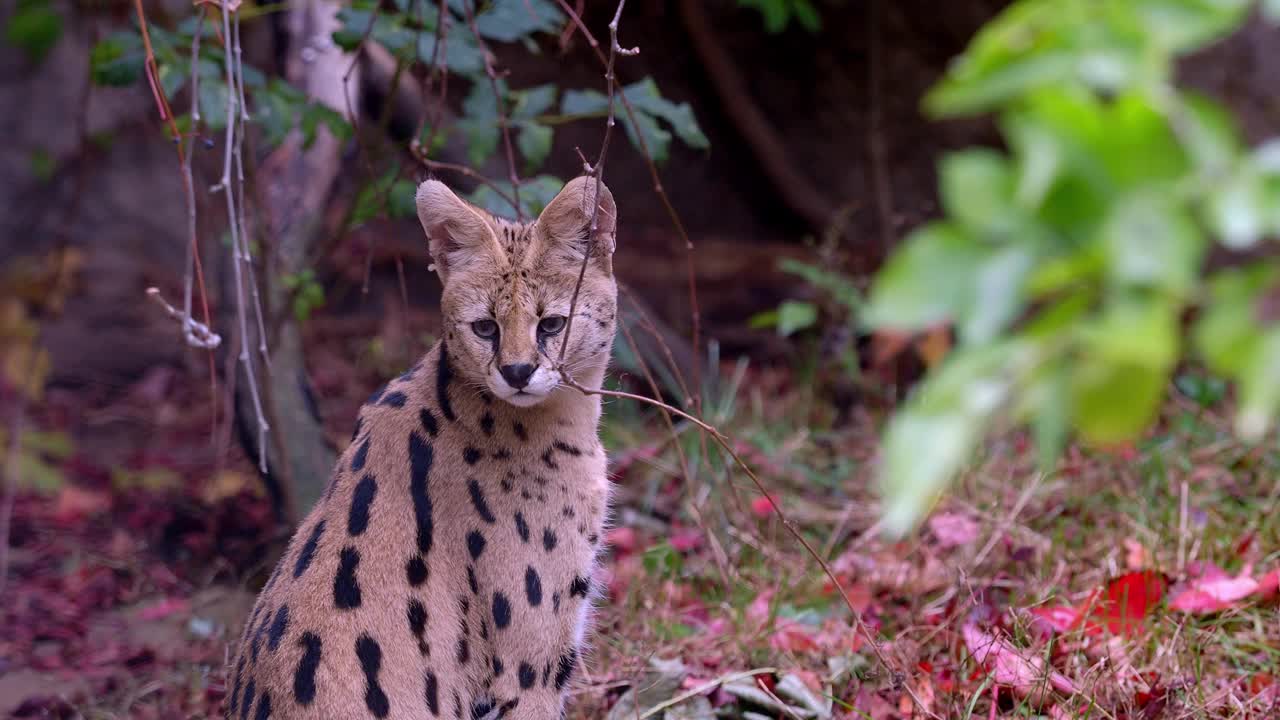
[(694, 310), (505, 126), (597, 172), (239, 253), (198, 334)]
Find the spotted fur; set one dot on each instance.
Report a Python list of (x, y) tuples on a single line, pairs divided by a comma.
[(447, 570)]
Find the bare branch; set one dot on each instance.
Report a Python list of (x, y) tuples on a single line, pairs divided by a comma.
[(197, 334), (240, 254), (503, 124)]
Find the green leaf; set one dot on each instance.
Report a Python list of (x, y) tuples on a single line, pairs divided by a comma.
[(838, 286), (1152, 241), (117, 60), (1259, 388), (998, 294), (401, 202), (461, 53), (36, 27), (1226, 331), (1237, 209), (534, 142), (1138, 330), (511, 20), (913, 478), (1113, 403), (213, 104), (977, 189), (1052, 414), (794, 316), (926, 280), (650, 107), (479, 122), (532, 102), (535, 193), (645, 97)]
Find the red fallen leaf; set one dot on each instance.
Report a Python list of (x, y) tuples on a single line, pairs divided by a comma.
[(622, 539), (164, 609), (1214, 591), (758, 610), (1119, 608), (761, 507), (1269, 584), (791, 636), (1010, 666), (1125, 603), (75, 503), (953, 529), (686, 539)]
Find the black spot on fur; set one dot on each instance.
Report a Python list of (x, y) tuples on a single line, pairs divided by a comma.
[(431, 692), (506, 708), (359, 424), (457, 705), (475, 543), (567, 511), (464, 650), (346, 589), (565, 668), (471, 580), (420, 460), (362, 454), (521, 433), (304, 678), (428, 422), (278, 627), (376, 396), (484, 629), (497, 666), (395, 400), (264, 707), (593, 538), (444, 376), (308, 550), (502, 454), (522, 527), (527, 676), (549, 539), (565, 447), (370, 655), (548, 460), (532, 586), (501, 610), (235, 687), (580, 587), (361, 500), (481, 709), (471, 455), (417, 613), (507, 482), (416, 570), (247, 703), (477, 499), (486, 423), (555, 602)]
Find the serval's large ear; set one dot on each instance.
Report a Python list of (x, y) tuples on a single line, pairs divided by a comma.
[(457, 233), (565, 224)]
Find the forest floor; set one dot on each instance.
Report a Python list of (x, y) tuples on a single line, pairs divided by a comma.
[(1133, 583)]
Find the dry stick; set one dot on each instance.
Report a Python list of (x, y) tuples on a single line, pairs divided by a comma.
[(469, 7), (166, 114), (240, 204), (597, 171), (233, 218), (694, 311)]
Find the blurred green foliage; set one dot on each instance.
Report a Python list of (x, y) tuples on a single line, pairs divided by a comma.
[(35, 26), (778, 14), (1068, 262)]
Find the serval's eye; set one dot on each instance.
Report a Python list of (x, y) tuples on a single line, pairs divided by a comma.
[(486, 329), (551, 324)]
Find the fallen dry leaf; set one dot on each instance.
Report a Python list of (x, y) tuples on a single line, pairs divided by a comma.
[(1120, 608), (1214, 591), (1011, 666), (953, 529)]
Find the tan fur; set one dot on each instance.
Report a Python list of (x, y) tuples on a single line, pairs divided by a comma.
[(502, 621)]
